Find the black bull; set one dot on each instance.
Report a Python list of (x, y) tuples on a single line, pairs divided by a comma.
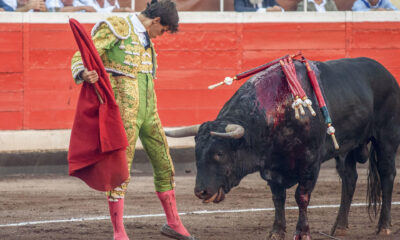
[(256, 131)]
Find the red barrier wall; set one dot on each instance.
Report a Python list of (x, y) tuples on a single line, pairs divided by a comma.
[(37, 90)]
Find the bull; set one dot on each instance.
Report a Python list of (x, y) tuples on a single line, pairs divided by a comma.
[(256, 131)]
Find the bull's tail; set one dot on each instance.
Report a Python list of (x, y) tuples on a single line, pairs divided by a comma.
[(374, 184)]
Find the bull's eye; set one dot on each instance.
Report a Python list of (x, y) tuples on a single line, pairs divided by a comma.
[(218, 155)]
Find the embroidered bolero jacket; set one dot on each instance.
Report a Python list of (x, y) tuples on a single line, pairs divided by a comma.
[(119, 49)]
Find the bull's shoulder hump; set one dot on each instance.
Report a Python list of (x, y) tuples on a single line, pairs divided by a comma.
[(358, 60)]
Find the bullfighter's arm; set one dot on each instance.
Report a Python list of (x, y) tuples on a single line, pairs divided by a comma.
[(102, 39), (105, 35)]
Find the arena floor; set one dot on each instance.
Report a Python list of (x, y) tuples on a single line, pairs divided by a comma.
[(61, 207)]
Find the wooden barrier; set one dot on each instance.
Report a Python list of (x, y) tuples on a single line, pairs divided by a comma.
[(37, 90)]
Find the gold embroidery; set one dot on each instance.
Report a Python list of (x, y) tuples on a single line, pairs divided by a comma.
[(133, 60)]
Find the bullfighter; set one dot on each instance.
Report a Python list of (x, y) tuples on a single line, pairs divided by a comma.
[(128, 55)]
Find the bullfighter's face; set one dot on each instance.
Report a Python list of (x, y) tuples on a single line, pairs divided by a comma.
[(156, 29), (215, 160)]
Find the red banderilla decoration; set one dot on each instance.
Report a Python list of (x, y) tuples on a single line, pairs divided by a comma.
[(229, 80), (321, 102), (300, 98)]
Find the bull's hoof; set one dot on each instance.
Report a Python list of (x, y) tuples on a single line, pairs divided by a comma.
[(302, 236), (340, 232), (384, 232), (276, 236)]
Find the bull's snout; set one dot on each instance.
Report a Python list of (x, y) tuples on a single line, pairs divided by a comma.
[(202, 194), (209, 196)]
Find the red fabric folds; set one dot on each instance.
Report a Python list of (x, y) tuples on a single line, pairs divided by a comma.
[(98, 139)]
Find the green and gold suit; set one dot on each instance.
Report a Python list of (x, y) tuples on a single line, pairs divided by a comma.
[(131, 70)]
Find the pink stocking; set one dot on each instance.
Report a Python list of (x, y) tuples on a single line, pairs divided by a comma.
[(116, 214), (169, 204)]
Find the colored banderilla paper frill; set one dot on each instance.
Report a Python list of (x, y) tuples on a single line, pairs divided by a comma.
[(97, 149)]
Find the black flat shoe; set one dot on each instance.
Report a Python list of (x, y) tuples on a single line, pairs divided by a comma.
[(169, 232)]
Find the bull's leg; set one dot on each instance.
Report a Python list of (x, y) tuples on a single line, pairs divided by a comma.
[(302, 228), (348, 173), (308, 178), (279, 227), (387, 172)]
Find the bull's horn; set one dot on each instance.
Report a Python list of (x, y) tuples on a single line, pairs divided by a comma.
[(183, 131), (234, 131)]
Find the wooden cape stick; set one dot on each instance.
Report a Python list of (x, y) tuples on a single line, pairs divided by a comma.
[(98, 94)]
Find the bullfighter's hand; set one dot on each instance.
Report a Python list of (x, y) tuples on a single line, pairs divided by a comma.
[(90, 76)]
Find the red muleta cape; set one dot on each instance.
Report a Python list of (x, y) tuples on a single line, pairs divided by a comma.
[(98, 139)]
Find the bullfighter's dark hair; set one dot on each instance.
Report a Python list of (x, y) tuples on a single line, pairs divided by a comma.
[(166, 10)]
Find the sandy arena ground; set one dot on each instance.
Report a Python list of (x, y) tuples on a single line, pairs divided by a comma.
[(55, 197)]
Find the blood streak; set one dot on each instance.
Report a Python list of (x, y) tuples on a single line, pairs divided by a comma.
[(272, 93)]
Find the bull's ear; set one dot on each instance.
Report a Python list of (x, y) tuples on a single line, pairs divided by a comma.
[(234, 131)]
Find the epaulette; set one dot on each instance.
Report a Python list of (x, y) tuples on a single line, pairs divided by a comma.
[(119, 26)]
